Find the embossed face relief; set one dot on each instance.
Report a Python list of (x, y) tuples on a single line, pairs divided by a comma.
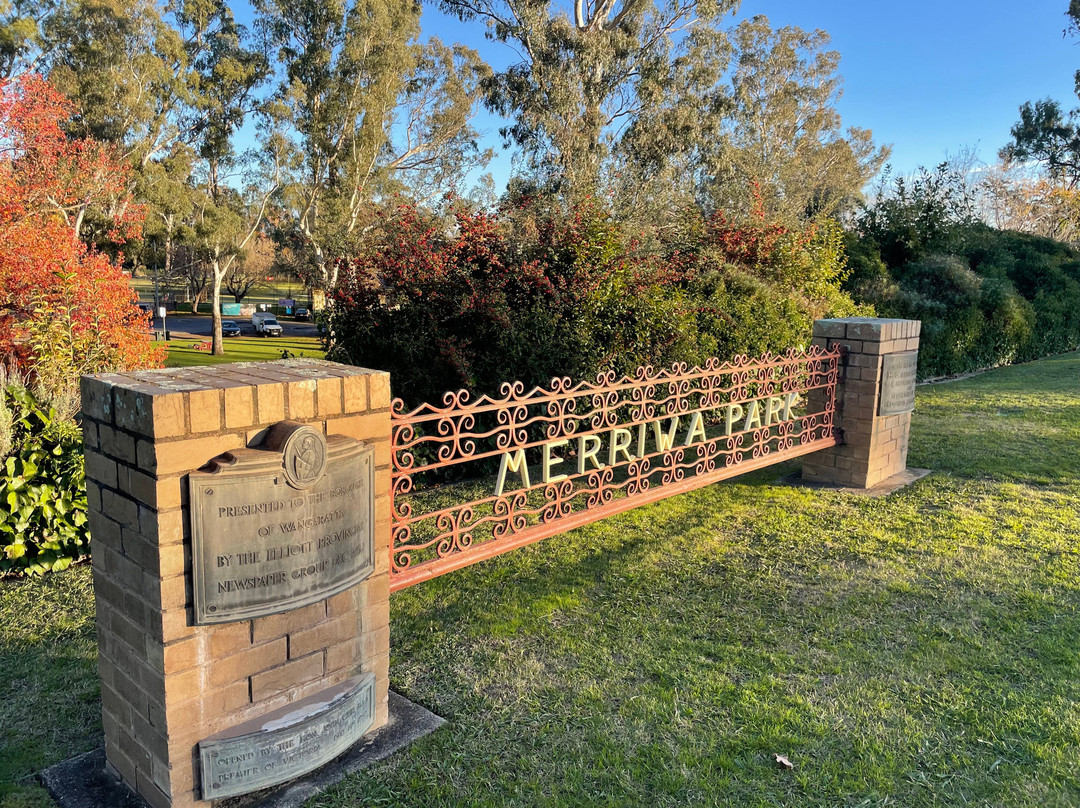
[(304, 457)]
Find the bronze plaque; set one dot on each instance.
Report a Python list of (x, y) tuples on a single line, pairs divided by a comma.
[(288, 742), (281, 526), (898, 383)]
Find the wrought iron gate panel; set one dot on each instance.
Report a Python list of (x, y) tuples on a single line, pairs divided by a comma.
[(659, 459)]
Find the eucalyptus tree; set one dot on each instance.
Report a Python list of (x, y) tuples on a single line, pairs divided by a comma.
[(223, 80), (584, 72), (364, 105), (782, 147), (21, 28), (127, 68)]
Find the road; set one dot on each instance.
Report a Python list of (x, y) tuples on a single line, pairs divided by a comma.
[(187, 327)]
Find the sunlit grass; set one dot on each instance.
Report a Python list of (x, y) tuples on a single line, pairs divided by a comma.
[(917, 650), (187, 353)]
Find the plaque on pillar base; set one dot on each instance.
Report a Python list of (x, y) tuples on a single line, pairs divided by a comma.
[(288, 742)]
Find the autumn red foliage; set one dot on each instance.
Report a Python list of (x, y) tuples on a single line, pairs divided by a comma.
[(62, 303)]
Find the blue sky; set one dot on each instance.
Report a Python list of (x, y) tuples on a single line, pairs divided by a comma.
[(929, 78)]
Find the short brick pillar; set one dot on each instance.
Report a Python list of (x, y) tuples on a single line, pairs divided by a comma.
[(875, 445), (168, 684)]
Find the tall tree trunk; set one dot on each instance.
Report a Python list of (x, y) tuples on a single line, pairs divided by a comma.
[(215, 314)]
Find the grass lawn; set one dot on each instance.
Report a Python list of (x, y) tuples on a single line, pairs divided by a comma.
[(917, 650), (243, 349)]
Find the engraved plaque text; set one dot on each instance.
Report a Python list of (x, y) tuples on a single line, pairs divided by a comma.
[(289, 741), (898, 383), (268, 537)]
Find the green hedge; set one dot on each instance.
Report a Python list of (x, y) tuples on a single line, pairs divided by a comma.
[(994, 298), (531, 295), (43, 524)]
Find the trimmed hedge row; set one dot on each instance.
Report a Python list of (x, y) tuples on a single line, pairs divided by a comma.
[(529, 296)]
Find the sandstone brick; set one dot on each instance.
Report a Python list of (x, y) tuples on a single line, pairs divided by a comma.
[(301, 399), (104, 532), (227, 699), (382, 555), (184, 455), (183, 685), (162, 527), (369, 426), (228, 638), (378, 390), (345, 602), (253, 660), (116, 444), (151, 792), (328, 393), (100, 469), (330, 632), (150, 738), (343, 656), (380, 665), (162, 775), (115, 705), (830, 328), (120, 508), (271, 403), (204, 410), (355, 390), (142, 552), (286, 677), (278, 625), (121, 764), (157, 416), (175, 593), (239, 407), (93, 496), (97, 400), (869, 331)]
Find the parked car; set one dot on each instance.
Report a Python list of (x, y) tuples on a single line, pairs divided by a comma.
[(229, 328), (302, 314), (266, 324)]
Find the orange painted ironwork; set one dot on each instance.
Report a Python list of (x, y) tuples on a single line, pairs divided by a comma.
[(445, 454)]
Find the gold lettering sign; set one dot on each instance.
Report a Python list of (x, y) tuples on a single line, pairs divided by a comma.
[(622, 444), (281, 526)]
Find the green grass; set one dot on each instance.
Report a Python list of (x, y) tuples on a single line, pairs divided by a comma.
[(917, 650), (243, 349)]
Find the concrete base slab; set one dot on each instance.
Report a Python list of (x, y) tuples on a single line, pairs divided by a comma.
[(84, 782), (884, 488)]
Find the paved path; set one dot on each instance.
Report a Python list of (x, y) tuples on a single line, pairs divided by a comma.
[(187, 327)]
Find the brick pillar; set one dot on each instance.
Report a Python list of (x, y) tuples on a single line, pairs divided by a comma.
[(874, 445), (166, 683)]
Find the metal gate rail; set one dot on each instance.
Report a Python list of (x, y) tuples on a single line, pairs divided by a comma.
[(672, 431)]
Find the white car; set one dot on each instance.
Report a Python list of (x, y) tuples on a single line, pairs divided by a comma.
[(266, 324)]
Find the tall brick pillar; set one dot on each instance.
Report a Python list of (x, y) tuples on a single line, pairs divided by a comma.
[(168, 683), (874, 400)]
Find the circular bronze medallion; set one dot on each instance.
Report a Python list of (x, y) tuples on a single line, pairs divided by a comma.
[(305, 457)]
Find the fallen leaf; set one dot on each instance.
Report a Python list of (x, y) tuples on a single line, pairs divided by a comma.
[(783, 762)]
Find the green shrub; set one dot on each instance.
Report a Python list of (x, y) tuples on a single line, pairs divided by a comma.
[(997, 297), (533, 295), (43, 524)]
